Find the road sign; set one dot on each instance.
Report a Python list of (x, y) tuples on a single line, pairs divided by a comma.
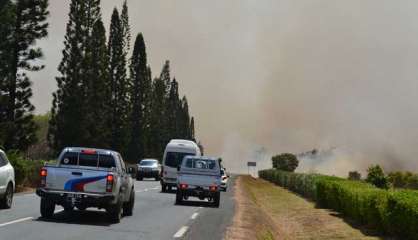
[(251, 164)]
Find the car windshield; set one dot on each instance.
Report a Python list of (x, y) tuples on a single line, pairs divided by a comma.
[(200, 163), (174, 159), (88, 160), (147, 163)]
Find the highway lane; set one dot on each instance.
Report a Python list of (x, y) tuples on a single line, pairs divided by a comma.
[(155, 217)]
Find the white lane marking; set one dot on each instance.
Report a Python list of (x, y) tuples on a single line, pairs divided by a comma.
[(16, 221), (180, 233), (194, 216), (147, 189)]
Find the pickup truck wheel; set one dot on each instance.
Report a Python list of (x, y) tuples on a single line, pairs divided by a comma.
[(47, 208), (129, 206), (163, 188), (68, 209), (217, 199), (7, 200), (115, 212), (179, 197)]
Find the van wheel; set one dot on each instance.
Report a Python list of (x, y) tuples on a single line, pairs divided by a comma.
[(179, 197), (217, 199), (129, 206), (7, 200), (47, 208), (115, 212)]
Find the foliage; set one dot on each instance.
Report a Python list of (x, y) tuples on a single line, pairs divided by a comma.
[(354, 175), (285, 161), (400, 179), (26, 171), (22, 23), (376, 176), (394, 212)]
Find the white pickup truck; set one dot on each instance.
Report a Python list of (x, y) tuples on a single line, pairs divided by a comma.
[(85, 178), (199, 177)]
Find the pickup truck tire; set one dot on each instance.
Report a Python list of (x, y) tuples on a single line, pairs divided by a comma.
[(115, 212), (47, 208), (7, 200), (128, 208), (163, 188), (68, 209), (179, 197), (217, 199)]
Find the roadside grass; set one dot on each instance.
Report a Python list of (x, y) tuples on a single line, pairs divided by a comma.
[(296, 218), (265, 235)]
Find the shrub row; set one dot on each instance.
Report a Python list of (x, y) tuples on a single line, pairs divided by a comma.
[(26, 171), (394, 212)]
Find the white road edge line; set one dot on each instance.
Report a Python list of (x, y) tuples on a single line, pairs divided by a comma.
[(180, 233), (16, 221), (194, 216)]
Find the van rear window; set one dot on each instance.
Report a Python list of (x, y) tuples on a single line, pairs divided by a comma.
[(88, 160), (174, 159)]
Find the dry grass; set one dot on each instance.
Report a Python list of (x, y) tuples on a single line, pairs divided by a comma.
[(296, 218), (249, 222)]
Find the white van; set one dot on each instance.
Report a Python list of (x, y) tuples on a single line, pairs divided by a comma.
[(174, 153)]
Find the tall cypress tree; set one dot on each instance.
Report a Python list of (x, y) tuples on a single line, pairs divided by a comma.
[(184, 120), (139, 92), (119, 86), (68, 114), (126, 29), (192, 130), (96, 89), (23, 22), (172, 111), (158, 129)]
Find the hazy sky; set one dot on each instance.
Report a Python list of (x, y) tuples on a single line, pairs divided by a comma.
[(283, 74)]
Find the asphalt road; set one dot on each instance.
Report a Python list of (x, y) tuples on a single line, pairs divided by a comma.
[(155, 217)]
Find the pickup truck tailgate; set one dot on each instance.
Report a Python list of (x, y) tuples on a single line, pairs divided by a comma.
[(199, 179), (76, 179)]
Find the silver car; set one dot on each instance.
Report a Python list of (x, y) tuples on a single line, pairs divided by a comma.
[(148, 168), (7, 181)]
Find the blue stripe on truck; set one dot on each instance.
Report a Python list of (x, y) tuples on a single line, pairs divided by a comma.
[(70, 185)]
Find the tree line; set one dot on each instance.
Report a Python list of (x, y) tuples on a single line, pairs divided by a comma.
[(106, 94)]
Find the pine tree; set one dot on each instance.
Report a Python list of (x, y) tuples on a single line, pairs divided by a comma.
[(68, 114), (126, 29), (23, 22), (192, 130), (96, 89), (166, 77), (158, 129), (173, 106), (184, 120), (139, 97), (119, 86)]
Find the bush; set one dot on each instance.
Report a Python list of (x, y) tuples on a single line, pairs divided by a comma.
[(285, 161), (394, 212), (376, 176), (354, 175), (26, 171)]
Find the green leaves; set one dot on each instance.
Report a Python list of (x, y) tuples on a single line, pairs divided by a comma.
[(394, 212)]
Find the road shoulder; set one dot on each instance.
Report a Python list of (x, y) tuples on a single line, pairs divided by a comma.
[(294, 217)]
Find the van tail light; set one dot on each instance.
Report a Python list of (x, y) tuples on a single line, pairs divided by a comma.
[(109, 182), (183, 186), (43, 174), (213, 188)]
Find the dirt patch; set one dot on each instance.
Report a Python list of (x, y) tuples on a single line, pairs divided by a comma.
[(249, 222), (294, 217), (22, 189)]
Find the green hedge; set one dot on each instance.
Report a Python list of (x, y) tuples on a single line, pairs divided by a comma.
[(394, 212), (26, 171)]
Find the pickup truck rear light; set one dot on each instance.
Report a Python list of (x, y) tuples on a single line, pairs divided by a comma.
[(89, 151), (109, 183), (183, 186), (213, 188), (43, 174)]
